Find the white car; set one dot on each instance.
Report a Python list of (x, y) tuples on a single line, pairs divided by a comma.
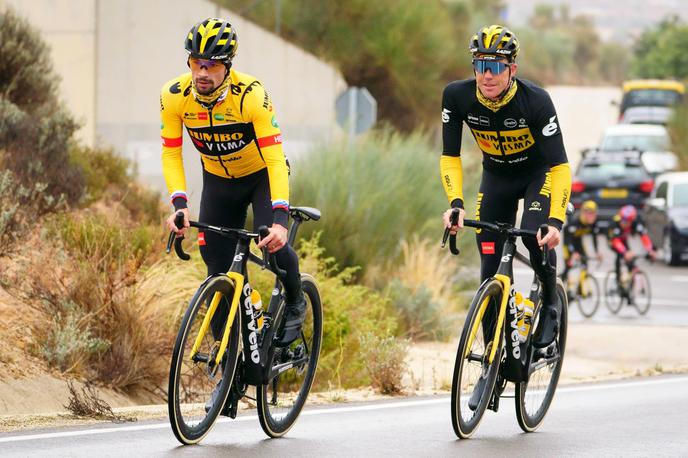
[(650, 139)]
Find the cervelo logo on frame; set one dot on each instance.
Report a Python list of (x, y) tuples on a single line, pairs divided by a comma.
[(252, 326)]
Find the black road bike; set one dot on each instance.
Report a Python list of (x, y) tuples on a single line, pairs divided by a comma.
[(222, 349), (496, 344)]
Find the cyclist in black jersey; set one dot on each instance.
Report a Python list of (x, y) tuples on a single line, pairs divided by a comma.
[(515, 126)]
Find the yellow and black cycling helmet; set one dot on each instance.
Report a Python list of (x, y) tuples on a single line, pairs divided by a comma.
[(212, 39), (494, 40), (589, 205)]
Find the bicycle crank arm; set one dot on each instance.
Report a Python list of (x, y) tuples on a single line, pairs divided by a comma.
[(540, 363), (278, 369)]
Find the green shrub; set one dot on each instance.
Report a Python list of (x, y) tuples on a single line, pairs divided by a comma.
[(385, 358), (69, 342), (35, 129), (372, 193), (349, 310)]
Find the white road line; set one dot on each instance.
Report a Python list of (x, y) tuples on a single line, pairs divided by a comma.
[(359, 408), (679, 278)]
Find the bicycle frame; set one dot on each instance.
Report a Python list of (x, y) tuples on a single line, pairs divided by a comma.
[(505, 276), (257, 348)]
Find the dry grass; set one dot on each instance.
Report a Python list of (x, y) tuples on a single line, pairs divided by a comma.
[(86, 403), (105, 308), (423, 288), (424, 263)]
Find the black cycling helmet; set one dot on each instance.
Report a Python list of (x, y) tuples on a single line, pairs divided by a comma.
[(212, 39), (494, 40)]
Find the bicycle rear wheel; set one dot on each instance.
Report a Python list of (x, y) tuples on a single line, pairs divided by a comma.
[(280, 400), (640, 291), (474, 375), (534, 396), (588, 296), (192, 404), (612, 296)]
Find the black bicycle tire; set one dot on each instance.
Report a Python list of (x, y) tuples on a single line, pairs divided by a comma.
[(184, 433), (525, 421), (591, 312), (643, 310), (465, 429), (270, 426), (614, 308)]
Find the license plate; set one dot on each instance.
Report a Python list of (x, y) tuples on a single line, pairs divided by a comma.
[(613, 193)]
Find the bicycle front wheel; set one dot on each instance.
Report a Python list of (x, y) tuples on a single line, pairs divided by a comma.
[(198, 387), (588, 297), (613, 298), (474, 374), (534, 396), (640, 291), (280, 400)]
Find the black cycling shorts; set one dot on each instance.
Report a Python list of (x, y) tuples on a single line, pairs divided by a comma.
[(498, 202)]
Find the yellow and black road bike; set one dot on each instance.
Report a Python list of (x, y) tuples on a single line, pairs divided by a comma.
[(583, 289), (226, 343), (496, 343)]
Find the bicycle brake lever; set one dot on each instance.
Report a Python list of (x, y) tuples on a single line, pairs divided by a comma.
[(453, 219), (264, 232), (545, 249)]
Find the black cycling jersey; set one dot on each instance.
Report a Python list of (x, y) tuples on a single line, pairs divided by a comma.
[(574, 233), (523, 136)]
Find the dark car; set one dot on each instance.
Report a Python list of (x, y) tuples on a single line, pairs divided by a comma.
[(612, 179), (666, 216)]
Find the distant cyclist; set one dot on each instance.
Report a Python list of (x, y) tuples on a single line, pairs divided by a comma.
[(627, 223), (515, 126), (574, 231), (231, 121)]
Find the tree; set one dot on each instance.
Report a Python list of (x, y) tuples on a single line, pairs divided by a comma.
[(660, 52)]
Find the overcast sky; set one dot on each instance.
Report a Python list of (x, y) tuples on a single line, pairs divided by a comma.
[(620, 19)]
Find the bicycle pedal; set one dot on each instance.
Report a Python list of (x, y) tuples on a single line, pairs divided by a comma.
[(494, 402), (230, 409)]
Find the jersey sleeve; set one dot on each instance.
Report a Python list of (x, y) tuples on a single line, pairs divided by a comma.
[(171, 135), (450, 162), (260, 111), (547, 133)]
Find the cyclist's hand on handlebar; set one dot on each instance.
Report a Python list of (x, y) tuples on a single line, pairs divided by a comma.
[(276, 239), (652, 255), (628, 256), (170, 222), (552, 238), (575, 256), (447, 221)]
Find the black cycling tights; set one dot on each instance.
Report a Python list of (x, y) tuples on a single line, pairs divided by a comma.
[(498, 202), (224, 202)]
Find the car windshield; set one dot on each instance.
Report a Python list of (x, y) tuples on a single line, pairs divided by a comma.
[(638, 142), (681, 195), (610, 171), (651, 97)]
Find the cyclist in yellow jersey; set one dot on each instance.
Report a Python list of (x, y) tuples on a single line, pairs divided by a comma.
[(231, 121), (515, 126)]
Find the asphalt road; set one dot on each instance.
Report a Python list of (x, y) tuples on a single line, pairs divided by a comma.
[(644, 417)]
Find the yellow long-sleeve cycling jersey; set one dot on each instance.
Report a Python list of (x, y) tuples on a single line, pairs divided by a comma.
[(236, 137)]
